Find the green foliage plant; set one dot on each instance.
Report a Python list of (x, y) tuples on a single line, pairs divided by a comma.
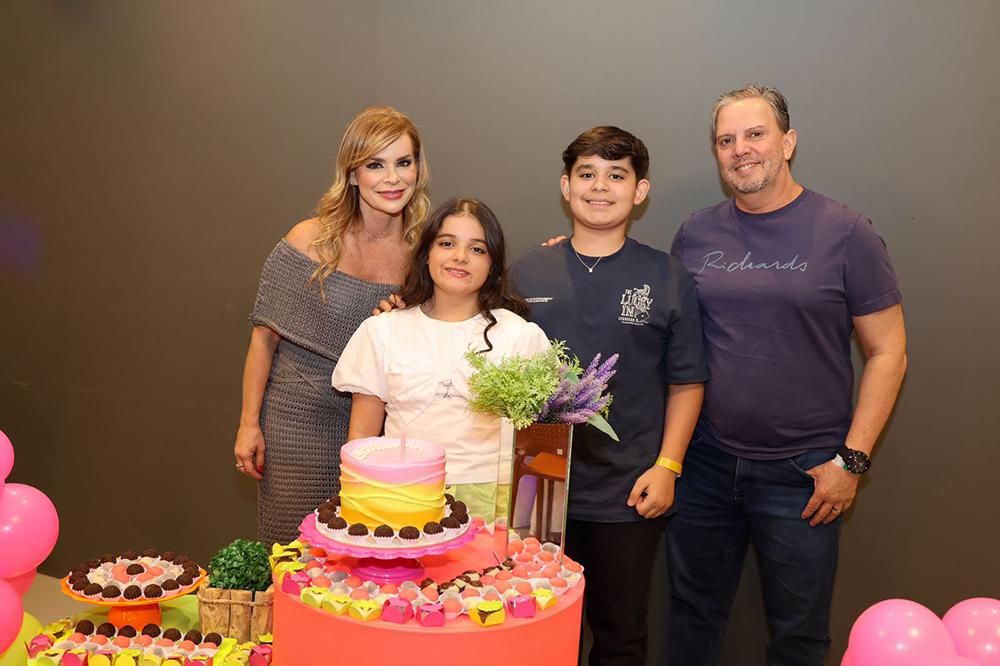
[(242, 565)]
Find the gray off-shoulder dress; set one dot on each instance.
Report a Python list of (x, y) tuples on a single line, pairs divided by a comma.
[(303, 419)]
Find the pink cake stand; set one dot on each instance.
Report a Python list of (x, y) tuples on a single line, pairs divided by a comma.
[(386, 564)]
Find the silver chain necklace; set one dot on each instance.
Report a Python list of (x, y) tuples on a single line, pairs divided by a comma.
[(590, 269)]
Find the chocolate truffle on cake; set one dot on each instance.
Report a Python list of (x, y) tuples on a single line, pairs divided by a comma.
[(153, 591), (132, 592), (409, 533), (449, 499), (111, 592), (384, 534), (128, 631), (172, 634), (459, 507), (450, 524), (151, 630), (336, 523), (107, 629), (357, 531), (85, 627), (462, 518)]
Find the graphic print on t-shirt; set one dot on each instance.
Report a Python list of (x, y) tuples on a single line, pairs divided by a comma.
[(636, 304), (717, 260)]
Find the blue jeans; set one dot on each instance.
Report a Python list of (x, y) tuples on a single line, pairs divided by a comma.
[(725, 503)]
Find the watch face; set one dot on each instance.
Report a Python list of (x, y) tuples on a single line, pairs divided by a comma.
[(855, 461)]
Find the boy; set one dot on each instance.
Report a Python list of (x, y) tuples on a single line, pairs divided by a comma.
[(603, 292)]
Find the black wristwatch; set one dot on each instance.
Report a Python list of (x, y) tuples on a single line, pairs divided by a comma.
[(855, 462)]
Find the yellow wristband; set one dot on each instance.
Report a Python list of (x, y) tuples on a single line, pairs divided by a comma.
[(670, 464)]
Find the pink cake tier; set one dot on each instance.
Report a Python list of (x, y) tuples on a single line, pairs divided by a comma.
[(384, 483)]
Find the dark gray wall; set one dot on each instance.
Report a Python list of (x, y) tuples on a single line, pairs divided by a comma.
[(152, 153)]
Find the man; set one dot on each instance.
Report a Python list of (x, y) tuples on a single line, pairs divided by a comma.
[(784, 275), (603, 292)]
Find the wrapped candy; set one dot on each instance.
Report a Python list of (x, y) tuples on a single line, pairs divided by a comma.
[(488, 613), (365, 610), (522, 605), (431, 614), (397, 610)]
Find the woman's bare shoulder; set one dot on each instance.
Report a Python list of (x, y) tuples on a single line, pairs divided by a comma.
[(303, 234)]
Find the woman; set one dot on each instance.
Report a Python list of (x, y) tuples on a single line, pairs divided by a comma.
[(318, 284), (407, 368)]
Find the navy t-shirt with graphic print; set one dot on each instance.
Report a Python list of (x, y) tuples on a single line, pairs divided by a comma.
[(777, 292), (640, 303)]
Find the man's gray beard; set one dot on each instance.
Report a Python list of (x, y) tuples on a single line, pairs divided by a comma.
[(751, 186)]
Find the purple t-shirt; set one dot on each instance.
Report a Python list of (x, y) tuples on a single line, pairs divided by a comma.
[(777, 292)]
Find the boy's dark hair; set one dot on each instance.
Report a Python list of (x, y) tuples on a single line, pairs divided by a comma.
[(496, 292), (610, 143)]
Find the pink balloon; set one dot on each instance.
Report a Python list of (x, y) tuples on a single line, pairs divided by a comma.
[(29, 526), (23, 582), (11, 615), (896, 632), (944, 660), (974, 625), (6, 456), (847, 660)]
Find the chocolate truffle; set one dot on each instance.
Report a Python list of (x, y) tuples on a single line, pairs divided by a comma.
[(92, 589), (111, 592), (433, 528), (135, 569), (151, 630), (80, 583), (79, 569), (172, 634), (180, 559), (130, 554), (185, 579), (336, 523), (107, 629), (326, 514), (170, 585), (107, 557), (449, 499), (213, 638), (451, 523), (409, 533), (92, 564), (132, 592), (457, 507), (85, 627), (357, 529), (168, 555), (128, 631), (384, 531), (462, 518), (152, 591), (335, 500), (194, 636), (150, 552), (427, 581)]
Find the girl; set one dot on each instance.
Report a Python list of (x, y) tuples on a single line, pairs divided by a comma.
[(406, 367)]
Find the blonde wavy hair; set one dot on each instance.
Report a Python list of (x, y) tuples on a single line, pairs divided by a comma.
[(339, 210)]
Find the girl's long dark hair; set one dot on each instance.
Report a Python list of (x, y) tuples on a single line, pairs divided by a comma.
[(495, 292)]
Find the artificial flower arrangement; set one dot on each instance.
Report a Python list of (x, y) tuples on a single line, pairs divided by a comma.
[(547, 387)]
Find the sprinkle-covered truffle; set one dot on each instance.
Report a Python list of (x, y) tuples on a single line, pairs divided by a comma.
[(433, 527), (132, 592), (150, 552), (409, 533), (170, 585), (462, 518), (130, 554), (111, 592), (80, 583), (450, 523), (168, 555), (384, 531), (185, 579), (135, 569), (180, 559), (336, 523), (92, 589), (107, 557), (358, 530), (449, 499), (152, 591)]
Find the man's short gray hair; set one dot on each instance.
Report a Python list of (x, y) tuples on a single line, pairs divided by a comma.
[(768, 93)]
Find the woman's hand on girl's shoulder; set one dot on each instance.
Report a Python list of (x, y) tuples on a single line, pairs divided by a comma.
[(394, 302)]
